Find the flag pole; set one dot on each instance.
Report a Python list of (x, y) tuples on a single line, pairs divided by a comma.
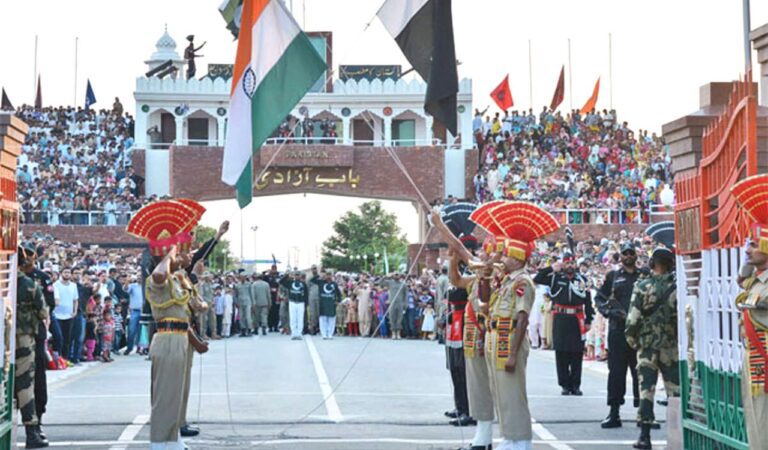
[(570, 77), (34, 76), (74, 95), (747, 29), (530, 75), (610, 71)]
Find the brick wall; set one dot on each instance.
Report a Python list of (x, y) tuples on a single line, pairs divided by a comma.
[(196, 173)]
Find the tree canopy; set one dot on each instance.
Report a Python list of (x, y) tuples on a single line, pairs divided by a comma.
[(220, 258), (360, 239)]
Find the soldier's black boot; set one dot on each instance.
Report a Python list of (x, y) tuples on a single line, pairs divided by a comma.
[(613, 420), (644, 441), (33, 438), (189, 431), (41, 432), (263, 331)]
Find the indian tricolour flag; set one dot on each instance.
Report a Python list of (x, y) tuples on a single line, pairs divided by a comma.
[(275, 66)]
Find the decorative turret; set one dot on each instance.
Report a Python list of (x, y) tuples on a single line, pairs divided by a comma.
[(166, 51)]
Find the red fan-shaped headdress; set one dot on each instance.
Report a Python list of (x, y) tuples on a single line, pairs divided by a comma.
[(752, 194), (166, 223), (521, 223)]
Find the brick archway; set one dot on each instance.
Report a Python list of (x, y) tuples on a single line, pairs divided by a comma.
[(324, 169)]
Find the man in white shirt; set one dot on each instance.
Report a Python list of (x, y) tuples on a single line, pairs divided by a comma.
[(65, 294)]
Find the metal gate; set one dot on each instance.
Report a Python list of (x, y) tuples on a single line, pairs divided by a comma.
[(12, 134), (711, 231)]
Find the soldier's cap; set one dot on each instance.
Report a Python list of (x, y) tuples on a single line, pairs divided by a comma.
[(662, 252), (627, 247), (25, 251)]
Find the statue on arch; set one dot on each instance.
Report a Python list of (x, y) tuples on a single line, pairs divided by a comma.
[(190, 53)]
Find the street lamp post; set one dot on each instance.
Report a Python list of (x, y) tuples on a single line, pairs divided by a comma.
[(255, 228)]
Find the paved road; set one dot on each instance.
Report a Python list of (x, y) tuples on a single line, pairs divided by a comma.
[(280, 398)]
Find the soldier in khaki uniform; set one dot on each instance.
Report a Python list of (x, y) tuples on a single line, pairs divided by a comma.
[(167, 225), (509, 306), (651, 329), (262, 300), (752, 194), (204, 321), (244, 306), (30, 311)]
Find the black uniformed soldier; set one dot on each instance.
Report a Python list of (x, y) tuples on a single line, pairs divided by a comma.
[(31, 310), (613, 301), (572, 309)]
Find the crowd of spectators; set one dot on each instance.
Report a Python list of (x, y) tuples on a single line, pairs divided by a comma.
[(92, 290), (77, 159), (572, 162), (98, 298)]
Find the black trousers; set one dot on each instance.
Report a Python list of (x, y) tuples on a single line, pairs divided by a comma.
[(620, 358), (274, 316), (41, 363), (66, 337), (457, 366), (569, 369)]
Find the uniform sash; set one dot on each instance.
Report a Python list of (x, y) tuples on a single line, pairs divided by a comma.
[(757, 358)]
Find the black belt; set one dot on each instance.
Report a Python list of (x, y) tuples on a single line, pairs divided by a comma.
[(172, 325), (495, 323)]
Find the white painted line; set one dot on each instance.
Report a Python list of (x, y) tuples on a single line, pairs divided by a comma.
[(303, 393), (293, 442), (334, 413), (129, 433), (548, 438), (133, 429)]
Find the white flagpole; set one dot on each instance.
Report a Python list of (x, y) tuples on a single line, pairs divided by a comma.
[(530, 75), (570, 76), (34, 75), (747, 29), (74, 101), (610, 71)]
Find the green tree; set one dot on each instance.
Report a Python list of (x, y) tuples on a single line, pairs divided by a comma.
[(220, 259), (362, 233)]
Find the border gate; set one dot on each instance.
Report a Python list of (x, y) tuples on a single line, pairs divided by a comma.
[(12, 134), (710, 233)]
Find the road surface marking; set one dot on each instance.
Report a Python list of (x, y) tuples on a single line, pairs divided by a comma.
[(547, 437), (334, 413), (293, 442), (302, 393), (129, 433)]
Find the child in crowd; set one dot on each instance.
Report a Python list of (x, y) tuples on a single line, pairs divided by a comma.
[(119, 328), (90, 326), (428, 324), (107, 335), (341, 316), (218, 305), (353, 326), (226, 320)]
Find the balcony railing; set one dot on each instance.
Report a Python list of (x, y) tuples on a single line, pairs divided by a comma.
[(97, 218), (564, 216), (601, 216)]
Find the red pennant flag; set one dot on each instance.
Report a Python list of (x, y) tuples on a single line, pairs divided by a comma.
[(590, 105), (502, 95), (39, 96), (559, 91)]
